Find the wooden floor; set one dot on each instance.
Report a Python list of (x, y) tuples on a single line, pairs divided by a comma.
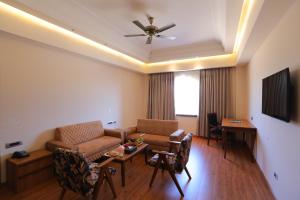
[(212, 178)]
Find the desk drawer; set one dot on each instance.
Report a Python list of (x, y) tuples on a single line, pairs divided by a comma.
[(34, 166)]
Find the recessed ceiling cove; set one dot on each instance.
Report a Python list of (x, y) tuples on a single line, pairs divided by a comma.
[(203, 27)]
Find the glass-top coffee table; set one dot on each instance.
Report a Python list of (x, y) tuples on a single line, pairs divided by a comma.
[(143, 147)]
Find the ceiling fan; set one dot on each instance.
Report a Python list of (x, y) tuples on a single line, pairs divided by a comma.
[(151, 30)]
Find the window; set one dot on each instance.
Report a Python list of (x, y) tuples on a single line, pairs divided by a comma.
[(186, 89)]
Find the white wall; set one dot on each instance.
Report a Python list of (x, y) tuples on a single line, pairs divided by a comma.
[(278, 142), (43, 87)]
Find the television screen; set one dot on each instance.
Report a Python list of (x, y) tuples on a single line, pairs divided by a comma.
[(276, 95)]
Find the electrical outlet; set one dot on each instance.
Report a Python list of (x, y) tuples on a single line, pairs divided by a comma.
[(251, 118), (275, 176), (111, 122), (13, 144)]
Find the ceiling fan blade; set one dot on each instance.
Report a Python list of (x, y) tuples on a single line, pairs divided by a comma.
[(165, 28), (139, 24), (166, 37), (149, 40), (134, 35), (150, 18)]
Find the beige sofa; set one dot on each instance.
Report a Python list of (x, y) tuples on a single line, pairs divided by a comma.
[(157, 133), (89, 138)]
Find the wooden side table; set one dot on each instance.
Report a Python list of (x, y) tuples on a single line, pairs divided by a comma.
[(126, 157), (29, 171)]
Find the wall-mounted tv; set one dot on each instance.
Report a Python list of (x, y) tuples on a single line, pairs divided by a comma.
[(276, 92)]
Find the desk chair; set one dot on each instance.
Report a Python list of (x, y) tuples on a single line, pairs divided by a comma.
[(214, 127)]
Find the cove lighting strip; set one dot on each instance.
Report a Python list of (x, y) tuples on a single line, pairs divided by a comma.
[(48, 25), (244, 18)]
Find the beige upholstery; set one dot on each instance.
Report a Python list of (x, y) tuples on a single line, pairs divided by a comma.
[(157, 127), (78, 133), (96, 145), (157, 133), (88, 138), (159, 140)]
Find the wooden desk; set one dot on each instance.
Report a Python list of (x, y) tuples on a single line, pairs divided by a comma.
[(233, 125)]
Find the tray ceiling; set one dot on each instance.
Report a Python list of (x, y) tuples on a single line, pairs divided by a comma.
[(203, 27)]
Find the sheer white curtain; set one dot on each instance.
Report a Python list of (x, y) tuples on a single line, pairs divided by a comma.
[(186, 91)]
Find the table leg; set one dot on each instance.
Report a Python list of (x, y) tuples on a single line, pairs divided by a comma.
[(225, 141), (123, 173), (146, 151), (252, 142)]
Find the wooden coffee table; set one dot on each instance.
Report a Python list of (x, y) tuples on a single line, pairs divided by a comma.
[(126, 157)]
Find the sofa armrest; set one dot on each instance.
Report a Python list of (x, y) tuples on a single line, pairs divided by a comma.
[(177, 135), (119, 133), (53, 144), (130, 130)]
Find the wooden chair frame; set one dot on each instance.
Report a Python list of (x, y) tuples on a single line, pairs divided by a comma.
[(103, 175), (163, 163)]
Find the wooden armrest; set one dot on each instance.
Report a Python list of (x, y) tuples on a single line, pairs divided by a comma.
[(177, 135), (174, 146), (174, 142), (164, 153), (99, 165), (130, 130)]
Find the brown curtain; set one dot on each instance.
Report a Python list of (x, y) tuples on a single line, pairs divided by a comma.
[(161, 96), (217, 94)]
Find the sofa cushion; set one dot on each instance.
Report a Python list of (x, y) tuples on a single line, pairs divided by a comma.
[(159, 140), (79, 133), (101, 144), (157, 127)]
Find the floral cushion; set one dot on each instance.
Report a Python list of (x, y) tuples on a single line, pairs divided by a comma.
[(171, 160), (73, 171)]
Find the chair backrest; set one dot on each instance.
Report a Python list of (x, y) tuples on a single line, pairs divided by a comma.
[(182, 157), (79, 133), (212, 119), (72, 171), (157, 127)]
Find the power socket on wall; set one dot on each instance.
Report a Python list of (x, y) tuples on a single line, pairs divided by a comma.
[(275, 176)]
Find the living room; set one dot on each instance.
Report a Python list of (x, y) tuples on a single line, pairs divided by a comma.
[(65, 63)]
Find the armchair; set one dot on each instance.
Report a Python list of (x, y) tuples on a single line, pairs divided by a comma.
[(74, 173), (173, 162)]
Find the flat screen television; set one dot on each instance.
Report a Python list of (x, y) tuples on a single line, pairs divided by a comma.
[(276, 92)]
